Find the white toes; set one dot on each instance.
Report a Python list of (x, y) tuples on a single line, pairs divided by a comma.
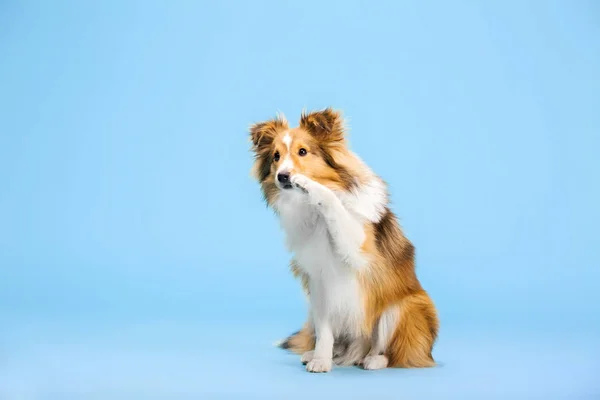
[(375, 362), (300, 181), (308, 356), (319, 365)]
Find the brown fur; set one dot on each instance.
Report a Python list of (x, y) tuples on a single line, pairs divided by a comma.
[(390, 280)]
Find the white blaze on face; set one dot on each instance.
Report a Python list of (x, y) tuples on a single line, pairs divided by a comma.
[(287, 140), (287, 164)]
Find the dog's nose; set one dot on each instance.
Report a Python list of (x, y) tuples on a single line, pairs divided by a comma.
[(283, 177)]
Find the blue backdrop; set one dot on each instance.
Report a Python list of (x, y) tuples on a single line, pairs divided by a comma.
[(137, 259)]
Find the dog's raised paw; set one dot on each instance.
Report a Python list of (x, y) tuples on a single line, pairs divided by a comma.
[(301, 182)]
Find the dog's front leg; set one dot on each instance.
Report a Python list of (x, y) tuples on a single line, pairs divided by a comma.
[(322, 358), (347, 233)]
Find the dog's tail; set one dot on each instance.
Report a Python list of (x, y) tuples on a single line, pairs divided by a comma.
[(299, 342)]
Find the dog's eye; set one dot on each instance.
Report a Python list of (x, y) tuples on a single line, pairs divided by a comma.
[(302, 152), (276, 156)]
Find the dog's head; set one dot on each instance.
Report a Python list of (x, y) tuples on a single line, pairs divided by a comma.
[(316, 149)]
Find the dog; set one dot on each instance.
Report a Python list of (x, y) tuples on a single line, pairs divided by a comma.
[(366, 304)]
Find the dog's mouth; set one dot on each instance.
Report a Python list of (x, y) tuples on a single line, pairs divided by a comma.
[(286, 186)]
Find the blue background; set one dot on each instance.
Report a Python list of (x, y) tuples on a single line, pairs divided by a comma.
[(137, 259)]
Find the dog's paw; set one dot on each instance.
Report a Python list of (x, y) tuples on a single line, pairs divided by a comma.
[(307, 357), (301, 182), (375, 362), (319, 365), (318, 195)]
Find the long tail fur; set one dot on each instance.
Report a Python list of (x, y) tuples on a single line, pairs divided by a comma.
[(301, 341)]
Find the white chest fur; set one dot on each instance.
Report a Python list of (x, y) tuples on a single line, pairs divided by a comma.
[(334, 290)]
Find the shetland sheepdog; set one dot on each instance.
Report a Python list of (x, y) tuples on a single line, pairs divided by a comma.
[(366, 305)]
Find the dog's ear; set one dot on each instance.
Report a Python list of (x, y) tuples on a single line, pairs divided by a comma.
[(326, 125), (262, 134)]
